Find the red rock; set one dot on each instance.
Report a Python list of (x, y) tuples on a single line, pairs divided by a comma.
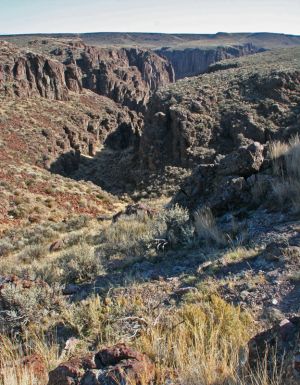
[(114, 365), (70, 372), (113, 355), (125, 365)]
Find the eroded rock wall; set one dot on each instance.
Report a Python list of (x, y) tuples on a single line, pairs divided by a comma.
[(194, 61), (128, 76), (196, 119), (25, 74)]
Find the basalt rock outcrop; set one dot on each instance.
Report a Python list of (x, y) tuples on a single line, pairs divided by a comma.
[(128, 76), (110, 86), (194, 61), (25, 74), (223, 185)]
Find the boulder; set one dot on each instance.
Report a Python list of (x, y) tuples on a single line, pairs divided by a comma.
[(115, 365), (71, 372), (243, 162), (122, 365), (56, 245)]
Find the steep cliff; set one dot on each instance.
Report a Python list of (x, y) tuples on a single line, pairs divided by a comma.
[(194, 61), (93, 96), (128, 76), (26, 74)]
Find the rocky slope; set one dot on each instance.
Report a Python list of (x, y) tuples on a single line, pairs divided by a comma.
[(195, 120), (50, 120), (189, 62), (128, 76), (94, 92)]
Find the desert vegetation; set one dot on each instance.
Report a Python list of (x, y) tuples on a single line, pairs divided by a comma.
[(197, 337)]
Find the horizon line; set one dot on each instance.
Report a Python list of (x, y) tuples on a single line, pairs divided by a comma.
[(144, 33)]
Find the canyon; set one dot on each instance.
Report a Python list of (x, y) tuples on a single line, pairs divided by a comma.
[(149, 194)]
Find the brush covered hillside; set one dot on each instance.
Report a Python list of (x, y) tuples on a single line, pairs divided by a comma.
[(150, 229)]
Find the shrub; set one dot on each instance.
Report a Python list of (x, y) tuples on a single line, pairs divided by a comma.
[(138, 235), (78, 264), (200, 341), (5, 247), (20, 306), (77, 223), (32, 252), (177, 229)]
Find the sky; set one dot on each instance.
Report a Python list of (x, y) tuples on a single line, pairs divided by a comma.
[(170, 16)]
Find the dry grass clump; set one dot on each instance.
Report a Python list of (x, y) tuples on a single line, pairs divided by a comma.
[(200, 342), (286, 161), (17, 375), (11, 355), (206, 228), (129, 236), (240, 253), (277, 151)]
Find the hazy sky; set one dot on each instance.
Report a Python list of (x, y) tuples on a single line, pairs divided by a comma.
[(190, 16)]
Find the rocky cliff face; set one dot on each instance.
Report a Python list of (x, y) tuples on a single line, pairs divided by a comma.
[(128, 76), (25, 74), (194, 61)]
